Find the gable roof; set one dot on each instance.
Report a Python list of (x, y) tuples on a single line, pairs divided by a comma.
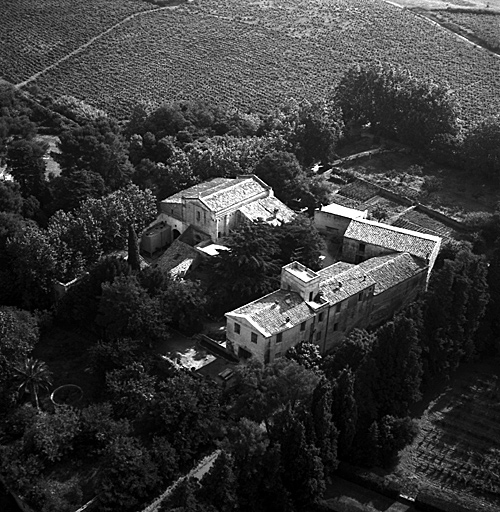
[(340, 286), (284, 309), (275, 312), (269, 209), (392, 238), (230, 194), (220, 194), (177, 259), (389, 270), (198, 190)]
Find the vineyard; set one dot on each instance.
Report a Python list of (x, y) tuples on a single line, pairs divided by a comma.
[(484, 26), (458, 447), (253, 55), (35, 34)]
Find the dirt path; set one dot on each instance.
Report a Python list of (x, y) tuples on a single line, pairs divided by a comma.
[(91, 41), (426, 14)]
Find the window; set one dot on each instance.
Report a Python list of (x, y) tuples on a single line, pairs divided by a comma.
[(336, 326), (320, 317), (362, 247), (360, 296), (253, 338), (318, 335), (198, 216), (303, 326), (237, 328), (279, 337), (338, 307), (310, 296), (204, 217)]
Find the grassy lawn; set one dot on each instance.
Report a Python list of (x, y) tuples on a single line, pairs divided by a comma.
[(458, 447)]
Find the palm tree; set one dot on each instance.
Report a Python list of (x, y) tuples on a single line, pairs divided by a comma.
[(33, 376)]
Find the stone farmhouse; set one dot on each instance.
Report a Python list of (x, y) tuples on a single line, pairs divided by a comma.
[(383, 268), (194, 222), (212, 208)]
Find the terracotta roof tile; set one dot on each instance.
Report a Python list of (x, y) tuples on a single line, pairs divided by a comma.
[(276, 312), (389, 270), (178, 258), (345, 284), (270, 209), (393, 238), (199, 189), (231, 194)]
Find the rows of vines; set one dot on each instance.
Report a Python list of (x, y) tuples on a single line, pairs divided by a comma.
[(459, 447), (484, 26), (35, 34), (254, 55)]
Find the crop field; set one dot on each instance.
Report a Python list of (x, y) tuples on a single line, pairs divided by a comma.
[(484, 26), (34, 34), (458, 447), (252, 55)]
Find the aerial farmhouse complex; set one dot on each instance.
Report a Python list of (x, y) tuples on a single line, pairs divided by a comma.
[(381, 269)]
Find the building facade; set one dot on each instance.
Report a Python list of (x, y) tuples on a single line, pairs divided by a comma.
[(217, 206), (383, 268)]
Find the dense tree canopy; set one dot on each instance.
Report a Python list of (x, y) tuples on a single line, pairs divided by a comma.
[(412, 110)]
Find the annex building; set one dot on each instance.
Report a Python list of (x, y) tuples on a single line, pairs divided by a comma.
[(213, 208), (382, 269)]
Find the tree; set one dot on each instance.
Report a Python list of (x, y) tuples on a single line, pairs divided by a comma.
[(187, 413), (481, 148), (414, 111), (344, 410), (33, 376), (71, 189), (25, 163), (54, 433), (349, 354), (453, 309), (306, 354), (18, 336), (11, 200), (126, 309), (260, 391), (130, 389), (318, 131), (397, 355), (34, 264), (303, 471), (248, 269), (96, 146), (282, 171), (128, 475), (218, 486), (325, 431), (299, 240), (133, 259)]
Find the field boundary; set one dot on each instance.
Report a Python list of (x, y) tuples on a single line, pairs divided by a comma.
[(84, 46), (462, 35)]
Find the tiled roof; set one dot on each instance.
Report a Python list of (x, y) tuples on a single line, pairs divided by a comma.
[(231, 194), (200, 189), (343, 285), (275, 312), (393, 238), (334, 269), (269, 209), (419, 221), (389, 270), (178, 258)]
